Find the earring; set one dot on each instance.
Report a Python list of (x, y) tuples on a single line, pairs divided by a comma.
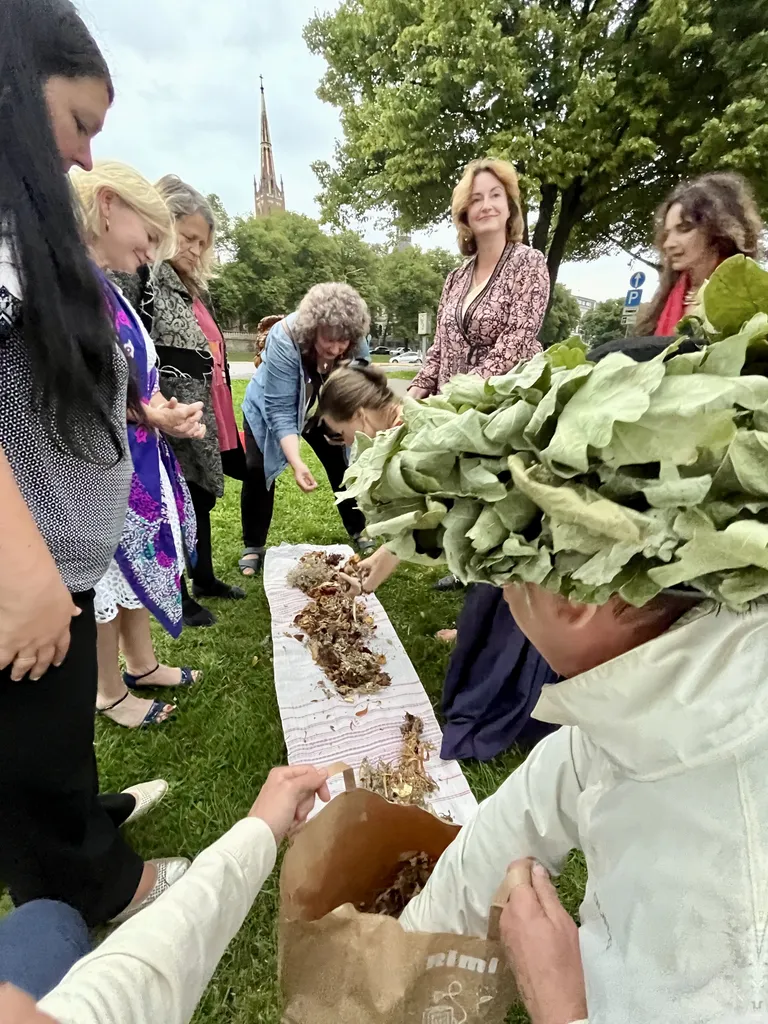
[(106, 225)]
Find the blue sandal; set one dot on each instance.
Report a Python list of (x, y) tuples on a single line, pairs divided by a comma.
[(152, 717), (187, 679)]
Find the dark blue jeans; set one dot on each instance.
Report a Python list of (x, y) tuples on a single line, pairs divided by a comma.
[(39, 943)]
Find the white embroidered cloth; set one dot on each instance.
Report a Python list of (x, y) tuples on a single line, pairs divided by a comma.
[(321, 730)]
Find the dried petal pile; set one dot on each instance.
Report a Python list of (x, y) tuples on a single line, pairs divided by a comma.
[(407, 782), (408, 881), (337, 626), (318, 567)]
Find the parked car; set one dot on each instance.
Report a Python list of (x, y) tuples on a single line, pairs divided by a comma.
[(380, 350), (407, 357)]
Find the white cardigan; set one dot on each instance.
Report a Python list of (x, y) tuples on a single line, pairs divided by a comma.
[(155, 968), (660, 775)]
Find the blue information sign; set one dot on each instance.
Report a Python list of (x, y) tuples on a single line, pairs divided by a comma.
[(634, 296), (637, 280)]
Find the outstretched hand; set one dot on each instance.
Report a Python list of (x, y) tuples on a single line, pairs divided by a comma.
[(304, 477), (542, 944), (288, 796)]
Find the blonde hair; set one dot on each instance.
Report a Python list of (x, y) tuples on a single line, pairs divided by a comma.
[(132, 189), (462, 196), (334, 305), (350, 389), (185, 201)]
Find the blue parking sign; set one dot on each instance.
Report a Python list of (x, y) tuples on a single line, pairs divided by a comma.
[(632, 301)]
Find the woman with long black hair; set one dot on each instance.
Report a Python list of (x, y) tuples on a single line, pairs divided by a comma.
[(64, 477)]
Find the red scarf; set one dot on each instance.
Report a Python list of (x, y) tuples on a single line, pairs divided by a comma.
[(674, 309)]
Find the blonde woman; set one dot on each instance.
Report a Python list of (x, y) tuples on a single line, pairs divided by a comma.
[(192, 358), (127, 225), (493, 306)]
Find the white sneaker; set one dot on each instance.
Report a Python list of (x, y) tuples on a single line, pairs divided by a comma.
[(146, 795), (169, 870)]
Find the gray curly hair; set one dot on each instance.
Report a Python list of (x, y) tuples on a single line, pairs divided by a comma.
[(336, 306)]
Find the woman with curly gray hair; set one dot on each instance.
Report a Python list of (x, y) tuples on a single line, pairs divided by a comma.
[(328, 328)]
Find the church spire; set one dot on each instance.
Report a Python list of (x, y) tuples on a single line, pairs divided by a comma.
[(269, 196)]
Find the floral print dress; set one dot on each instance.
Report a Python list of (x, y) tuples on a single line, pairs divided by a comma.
[(498, 328), (160, 523)]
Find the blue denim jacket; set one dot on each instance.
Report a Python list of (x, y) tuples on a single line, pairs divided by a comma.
[(275, 403)]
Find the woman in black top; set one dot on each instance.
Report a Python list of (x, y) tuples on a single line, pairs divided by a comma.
[(64, 476)]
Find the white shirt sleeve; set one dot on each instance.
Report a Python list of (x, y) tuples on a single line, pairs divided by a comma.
[(533, 814), (156, 966)]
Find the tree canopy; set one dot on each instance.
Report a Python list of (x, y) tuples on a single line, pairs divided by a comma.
[(271, 262), (603, 105), (562, 319), (603, 323)]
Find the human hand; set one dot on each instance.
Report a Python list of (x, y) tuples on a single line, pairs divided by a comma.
[(377, 568), (178, 419), (418, 393), (287, 797), (36, 610), (542, 944), (304, 478), (16, 1007)]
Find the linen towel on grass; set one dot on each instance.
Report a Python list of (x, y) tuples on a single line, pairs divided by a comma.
[(321, 730)]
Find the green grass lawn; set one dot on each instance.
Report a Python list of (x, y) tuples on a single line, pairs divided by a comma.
[(402, 374), (227, 733)]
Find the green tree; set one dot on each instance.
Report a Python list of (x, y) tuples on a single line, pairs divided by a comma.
[(409, 284), (602, 107), (273, 261), (223, 227), (562, 319), (225, 293), (357, 263), (603, 323)]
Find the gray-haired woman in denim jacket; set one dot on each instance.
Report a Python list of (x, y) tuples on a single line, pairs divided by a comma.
[(328, 329)]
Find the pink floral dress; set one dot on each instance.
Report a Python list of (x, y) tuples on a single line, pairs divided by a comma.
[(499, 327)]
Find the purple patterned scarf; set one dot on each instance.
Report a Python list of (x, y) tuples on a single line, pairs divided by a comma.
[(147, 553)]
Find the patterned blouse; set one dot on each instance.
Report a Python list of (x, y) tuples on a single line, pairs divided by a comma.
[(500, 326)]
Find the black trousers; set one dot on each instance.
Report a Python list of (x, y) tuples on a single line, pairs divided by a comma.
[(58, 839), (257, 501), (203, 503)]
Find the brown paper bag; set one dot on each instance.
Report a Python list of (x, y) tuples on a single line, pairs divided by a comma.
[(338, 966)]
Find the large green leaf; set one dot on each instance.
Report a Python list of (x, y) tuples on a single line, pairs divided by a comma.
[(737, 290)]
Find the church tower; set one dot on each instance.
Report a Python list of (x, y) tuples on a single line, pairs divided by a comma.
[(269, 197)]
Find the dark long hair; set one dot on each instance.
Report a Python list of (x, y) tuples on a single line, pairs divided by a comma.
[(723, 207), (68, 339)]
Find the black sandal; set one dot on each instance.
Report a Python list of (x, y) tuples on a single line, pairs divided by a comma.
[(251, 562)]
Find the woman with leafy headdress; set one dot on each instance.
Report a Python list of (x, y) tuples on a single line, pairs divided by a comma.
[(623, 507)]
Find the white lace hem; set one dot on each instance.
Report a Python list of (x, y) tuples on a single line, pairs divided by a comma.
[(114, 591)]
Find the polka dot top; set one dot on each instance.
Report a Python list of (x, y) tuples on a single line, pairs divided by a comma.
[(79, 507)]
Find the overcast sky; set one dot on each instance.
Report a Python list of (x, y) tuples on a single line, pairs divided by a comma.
[(187, 79)]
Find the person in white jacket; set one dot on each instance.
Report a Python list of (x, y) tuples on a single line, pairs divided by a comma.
[(154, 968), (658, 776)]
